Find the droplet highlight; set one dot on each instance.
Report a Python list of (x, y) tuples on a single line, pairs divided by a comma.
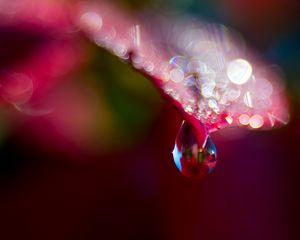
[(191, 158), (239, 71)]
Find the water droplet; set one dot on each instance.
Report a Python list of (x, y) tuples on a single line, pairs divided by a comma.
[(176, 75), (179, 62), (239, 71), (192, 159)]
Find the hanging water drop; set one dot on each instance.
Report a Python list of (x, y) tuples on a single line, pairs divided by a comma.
[(191, 158)]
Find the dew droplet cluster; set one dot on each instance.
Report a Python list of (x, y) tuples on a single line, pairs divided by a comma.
[(214, 81), (203, 67)]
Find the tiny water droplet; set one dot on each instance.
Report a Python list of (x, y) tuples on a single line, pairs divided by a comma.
[(191, 159)]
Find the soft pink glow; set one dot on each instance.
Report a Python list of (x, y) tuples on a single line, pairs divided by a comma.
[(204, 69), (16, 88)]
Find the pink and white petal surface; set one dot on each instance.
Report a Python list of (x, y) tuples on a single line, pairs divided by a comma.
[(204, 69)]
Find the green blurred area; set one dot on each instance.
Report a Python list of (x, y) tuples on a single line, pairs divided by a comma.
[(129, 101)]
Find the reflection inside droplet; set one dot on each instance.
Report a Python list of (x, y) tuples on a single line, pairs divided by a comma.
[(191, 159)]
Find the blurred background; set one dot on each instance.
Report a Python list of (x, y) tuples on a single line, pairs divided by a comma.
[(86, 142)]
